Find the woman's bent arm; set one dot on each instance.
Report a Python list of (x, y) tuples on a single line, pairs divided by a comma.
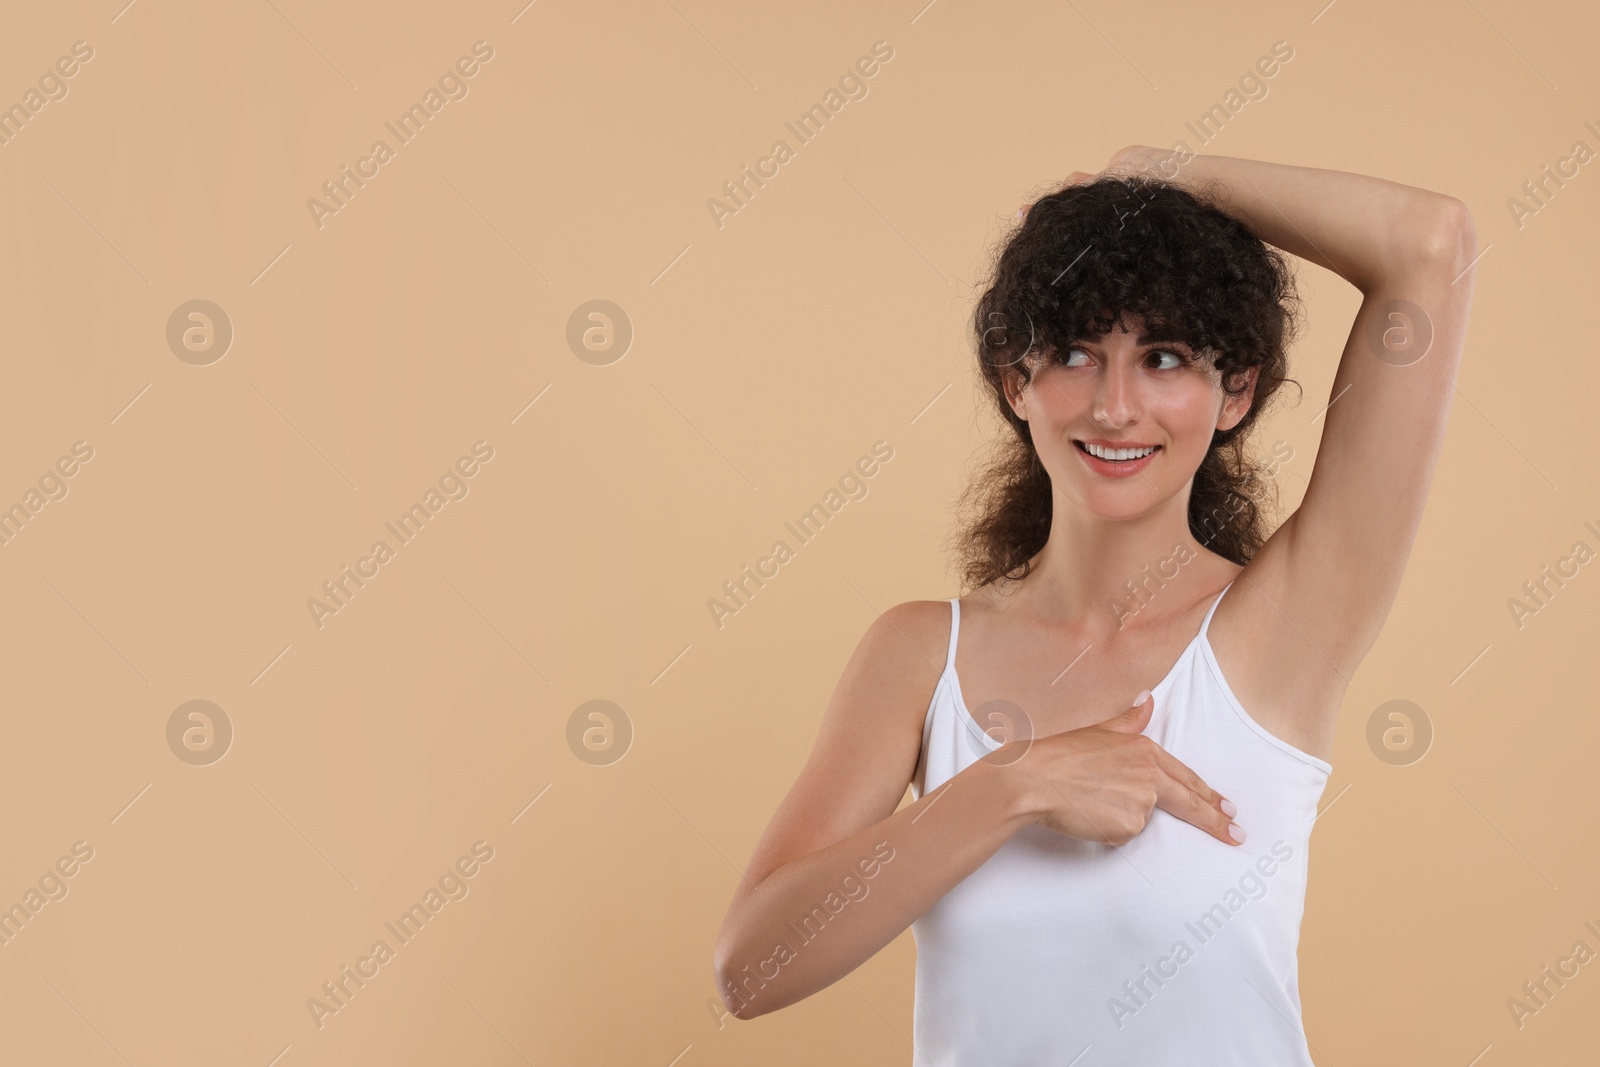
[(815, 919), (1370, 231), (838, 873)]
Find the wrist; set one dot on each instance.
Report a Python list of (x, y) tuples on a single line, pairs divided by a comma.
[(1009, 774)]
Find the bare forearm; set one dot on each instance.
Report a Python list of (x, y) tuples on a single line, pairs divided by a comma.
[(814, 920), (1363, 228)]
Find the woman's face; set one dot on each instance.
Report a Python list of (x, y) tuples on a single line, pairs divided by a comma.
[(1129, 395)]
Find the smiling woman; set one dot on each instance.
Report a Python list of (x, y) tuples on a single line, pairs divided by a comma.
[(1205, 308), (1135, 331)]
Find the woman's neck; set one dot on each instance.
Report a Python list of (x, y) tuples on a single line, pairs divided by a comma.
[(1093, 569)]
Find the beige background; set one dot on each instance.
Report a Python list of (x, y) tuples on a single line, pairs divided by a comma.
[(432, 710)]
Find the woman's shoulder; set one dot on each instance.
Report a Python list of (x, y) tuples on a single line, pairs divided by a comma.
[(886, 686), (992, 598), (911, 630)]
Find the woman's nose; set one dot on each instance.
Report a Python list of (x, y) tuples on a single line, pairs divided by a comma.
[(1115, 396)]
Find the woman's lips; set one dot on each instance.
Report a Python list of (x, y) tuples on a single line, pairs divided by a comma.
[(1116, 468)]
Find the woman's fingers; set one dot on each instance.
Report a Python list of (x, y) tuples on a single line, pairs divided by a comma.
[(1185, 795), (1179, 800), (1075, 178)]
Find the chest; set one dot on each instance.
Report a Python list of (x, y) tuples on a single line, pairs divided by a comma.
[(1062, 685)]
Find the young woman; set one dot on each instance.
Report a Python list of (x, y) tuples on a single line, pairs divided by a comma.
[(1082, 878)]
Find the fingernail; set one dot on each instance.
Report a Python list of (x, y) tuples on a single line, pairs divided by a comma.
[(1138, 701), (1235, 832), (1227, 808)]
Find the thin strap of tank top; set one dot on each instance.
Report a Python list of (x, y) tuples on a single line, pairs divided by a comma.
[(955, 630), (1206, 625)]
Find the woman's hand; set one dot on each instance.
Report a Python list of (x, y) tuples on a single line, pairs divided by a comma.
[(1101, 782), (1136, 158), (1130, 160)]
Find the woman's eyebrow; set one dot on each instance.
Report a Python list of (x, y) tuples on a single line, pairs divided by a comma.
[(1144, 340)]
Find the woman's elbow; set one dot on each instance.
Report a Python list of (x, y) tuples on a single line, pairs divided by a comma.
[(725, 971), (733, 987), (1450, 239)]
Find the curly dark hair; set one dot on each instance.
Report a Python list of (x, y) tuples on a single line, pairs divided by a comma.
[(1084, 256)]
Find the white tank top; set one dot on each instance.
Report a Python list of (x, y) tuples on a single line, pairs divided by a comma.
[(1173, 949)]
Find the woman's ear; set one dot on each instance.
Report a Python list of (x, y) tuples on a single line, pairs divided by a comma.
[(1234, 408), (1016, 392)]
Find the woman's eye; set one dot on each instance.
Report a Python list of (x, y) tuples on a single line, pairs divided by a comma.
[(1077, 357)]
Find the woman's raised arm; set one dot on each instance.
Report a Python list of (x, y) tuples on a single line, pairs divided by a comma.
[(1333, 569)]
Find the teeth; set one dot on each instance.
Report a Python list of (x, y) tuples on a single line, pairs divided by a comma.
[(1117, 453)]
